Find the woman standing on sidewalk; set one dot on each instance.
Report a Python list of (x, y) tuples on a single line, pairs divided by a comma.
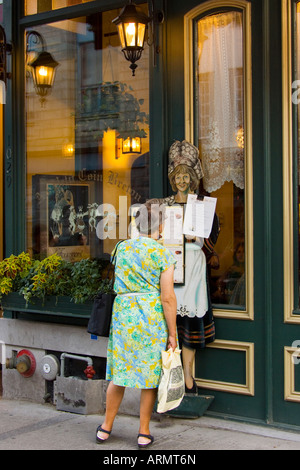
[(195, 321), (143, 322)]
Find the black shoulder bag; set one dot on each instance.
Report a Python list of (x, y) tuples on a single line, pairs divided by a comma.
[(99, 322)]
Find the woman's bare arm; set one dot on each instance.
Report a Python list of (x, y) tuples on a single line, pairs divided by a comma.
[(169, 303)]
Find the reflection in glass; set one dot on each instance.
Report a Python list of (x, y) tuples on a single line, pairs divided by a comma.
[(220, 117), (77, 174), (39, 6)]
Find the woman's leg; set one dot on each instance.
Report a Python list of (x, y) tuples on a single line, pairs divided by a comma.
[(114, 397), (188, 358), (148, 397)]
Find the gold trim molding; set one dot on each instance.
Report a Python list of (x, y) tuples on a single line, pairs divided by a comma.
[(287, 164), (290, 354), (245, 6), (242, 389)]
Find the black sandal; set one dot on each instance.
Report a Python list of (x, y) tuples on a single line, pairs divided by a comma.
[(148, 436), (193, 390), (98, 439)]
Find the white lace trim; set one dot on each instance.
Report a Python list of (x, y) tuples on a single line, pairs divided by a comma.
[(220, 164), (184, 312)]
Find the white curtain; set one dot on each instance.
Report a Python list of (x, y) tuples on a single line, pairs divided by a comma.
[(221, 94)]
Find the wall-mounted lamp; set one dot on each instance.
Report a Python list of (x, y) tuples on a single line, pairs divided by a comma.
[(68, 150), (132, 145), (4, 75), (131, 25), (43, 67)]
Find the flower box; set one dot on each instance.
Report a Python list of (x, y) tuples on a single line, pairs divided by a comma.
[(61, 306)]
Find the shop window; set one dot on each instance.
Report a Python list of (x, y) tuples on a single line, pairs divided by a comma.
[(80, 180), (219, 130), (39, 6)]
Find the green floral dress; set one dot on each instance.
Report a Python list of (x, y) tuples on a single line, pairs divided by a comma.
[(138, 331)]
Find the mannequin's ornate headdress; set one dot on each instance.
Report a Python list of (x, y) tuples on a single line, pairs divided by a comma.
[(184, 153)]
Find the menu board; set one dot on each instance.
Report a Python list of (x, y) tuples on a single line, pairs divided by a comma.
[(173, 239), (199, 216)]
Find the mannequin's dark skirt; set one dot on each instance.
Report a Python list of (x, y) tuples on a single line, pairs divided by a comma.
[(196, 333)]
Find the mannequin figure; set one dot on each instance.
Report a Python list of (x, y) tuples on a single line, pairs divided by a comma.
[(195, 321)]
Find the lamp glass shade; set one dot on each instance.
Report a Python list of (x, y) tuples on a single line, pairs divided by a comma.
[(131, 145), (43, 72), (126, 145), (136, 145), (130, 34), (121, 35), (141, 34)]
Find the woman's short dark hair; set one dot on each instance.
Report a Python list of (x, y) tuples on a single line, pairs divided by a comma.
[(149, 217)]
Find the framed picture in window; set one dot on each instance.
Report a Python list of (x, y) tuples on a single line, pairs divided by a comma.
[(64, 217)]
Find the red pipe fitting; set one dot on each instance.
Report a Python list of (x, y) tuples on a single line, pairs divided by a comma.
[(25, 363), (90, 372)]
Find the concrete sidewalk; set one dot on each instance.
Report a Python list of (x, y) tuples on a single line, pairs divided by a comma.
[(31, 426)]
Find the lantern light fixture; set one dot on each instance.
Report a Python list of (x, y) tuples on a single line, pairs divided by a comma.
[(132, 25), (43, 66), (132, 145)]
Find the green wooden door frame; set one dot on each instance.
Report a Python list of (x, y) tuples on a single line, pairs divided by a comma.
[(14, 201), (274, 200)]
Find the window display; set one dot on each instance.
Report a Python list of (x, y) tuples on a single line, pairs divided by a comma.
[(78, 169)]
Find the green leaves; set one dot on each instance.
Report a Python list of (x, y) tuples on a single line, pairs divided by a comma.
[(33, 279), (87, 280), (10, 269)]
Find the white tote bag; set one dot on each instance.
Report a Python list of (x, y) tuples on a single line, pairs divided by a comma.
[(171, 385)]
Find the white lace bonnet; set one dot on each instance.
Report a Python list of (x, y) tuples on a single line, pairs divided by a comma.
[(184, 153)]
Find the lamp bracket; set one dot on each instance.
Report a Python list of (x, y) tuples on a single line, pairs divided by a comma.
[(36, 38), (158, 16)]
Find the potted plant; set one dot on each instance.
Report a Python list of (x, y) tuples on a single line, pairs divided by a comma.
[(52, 285)]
